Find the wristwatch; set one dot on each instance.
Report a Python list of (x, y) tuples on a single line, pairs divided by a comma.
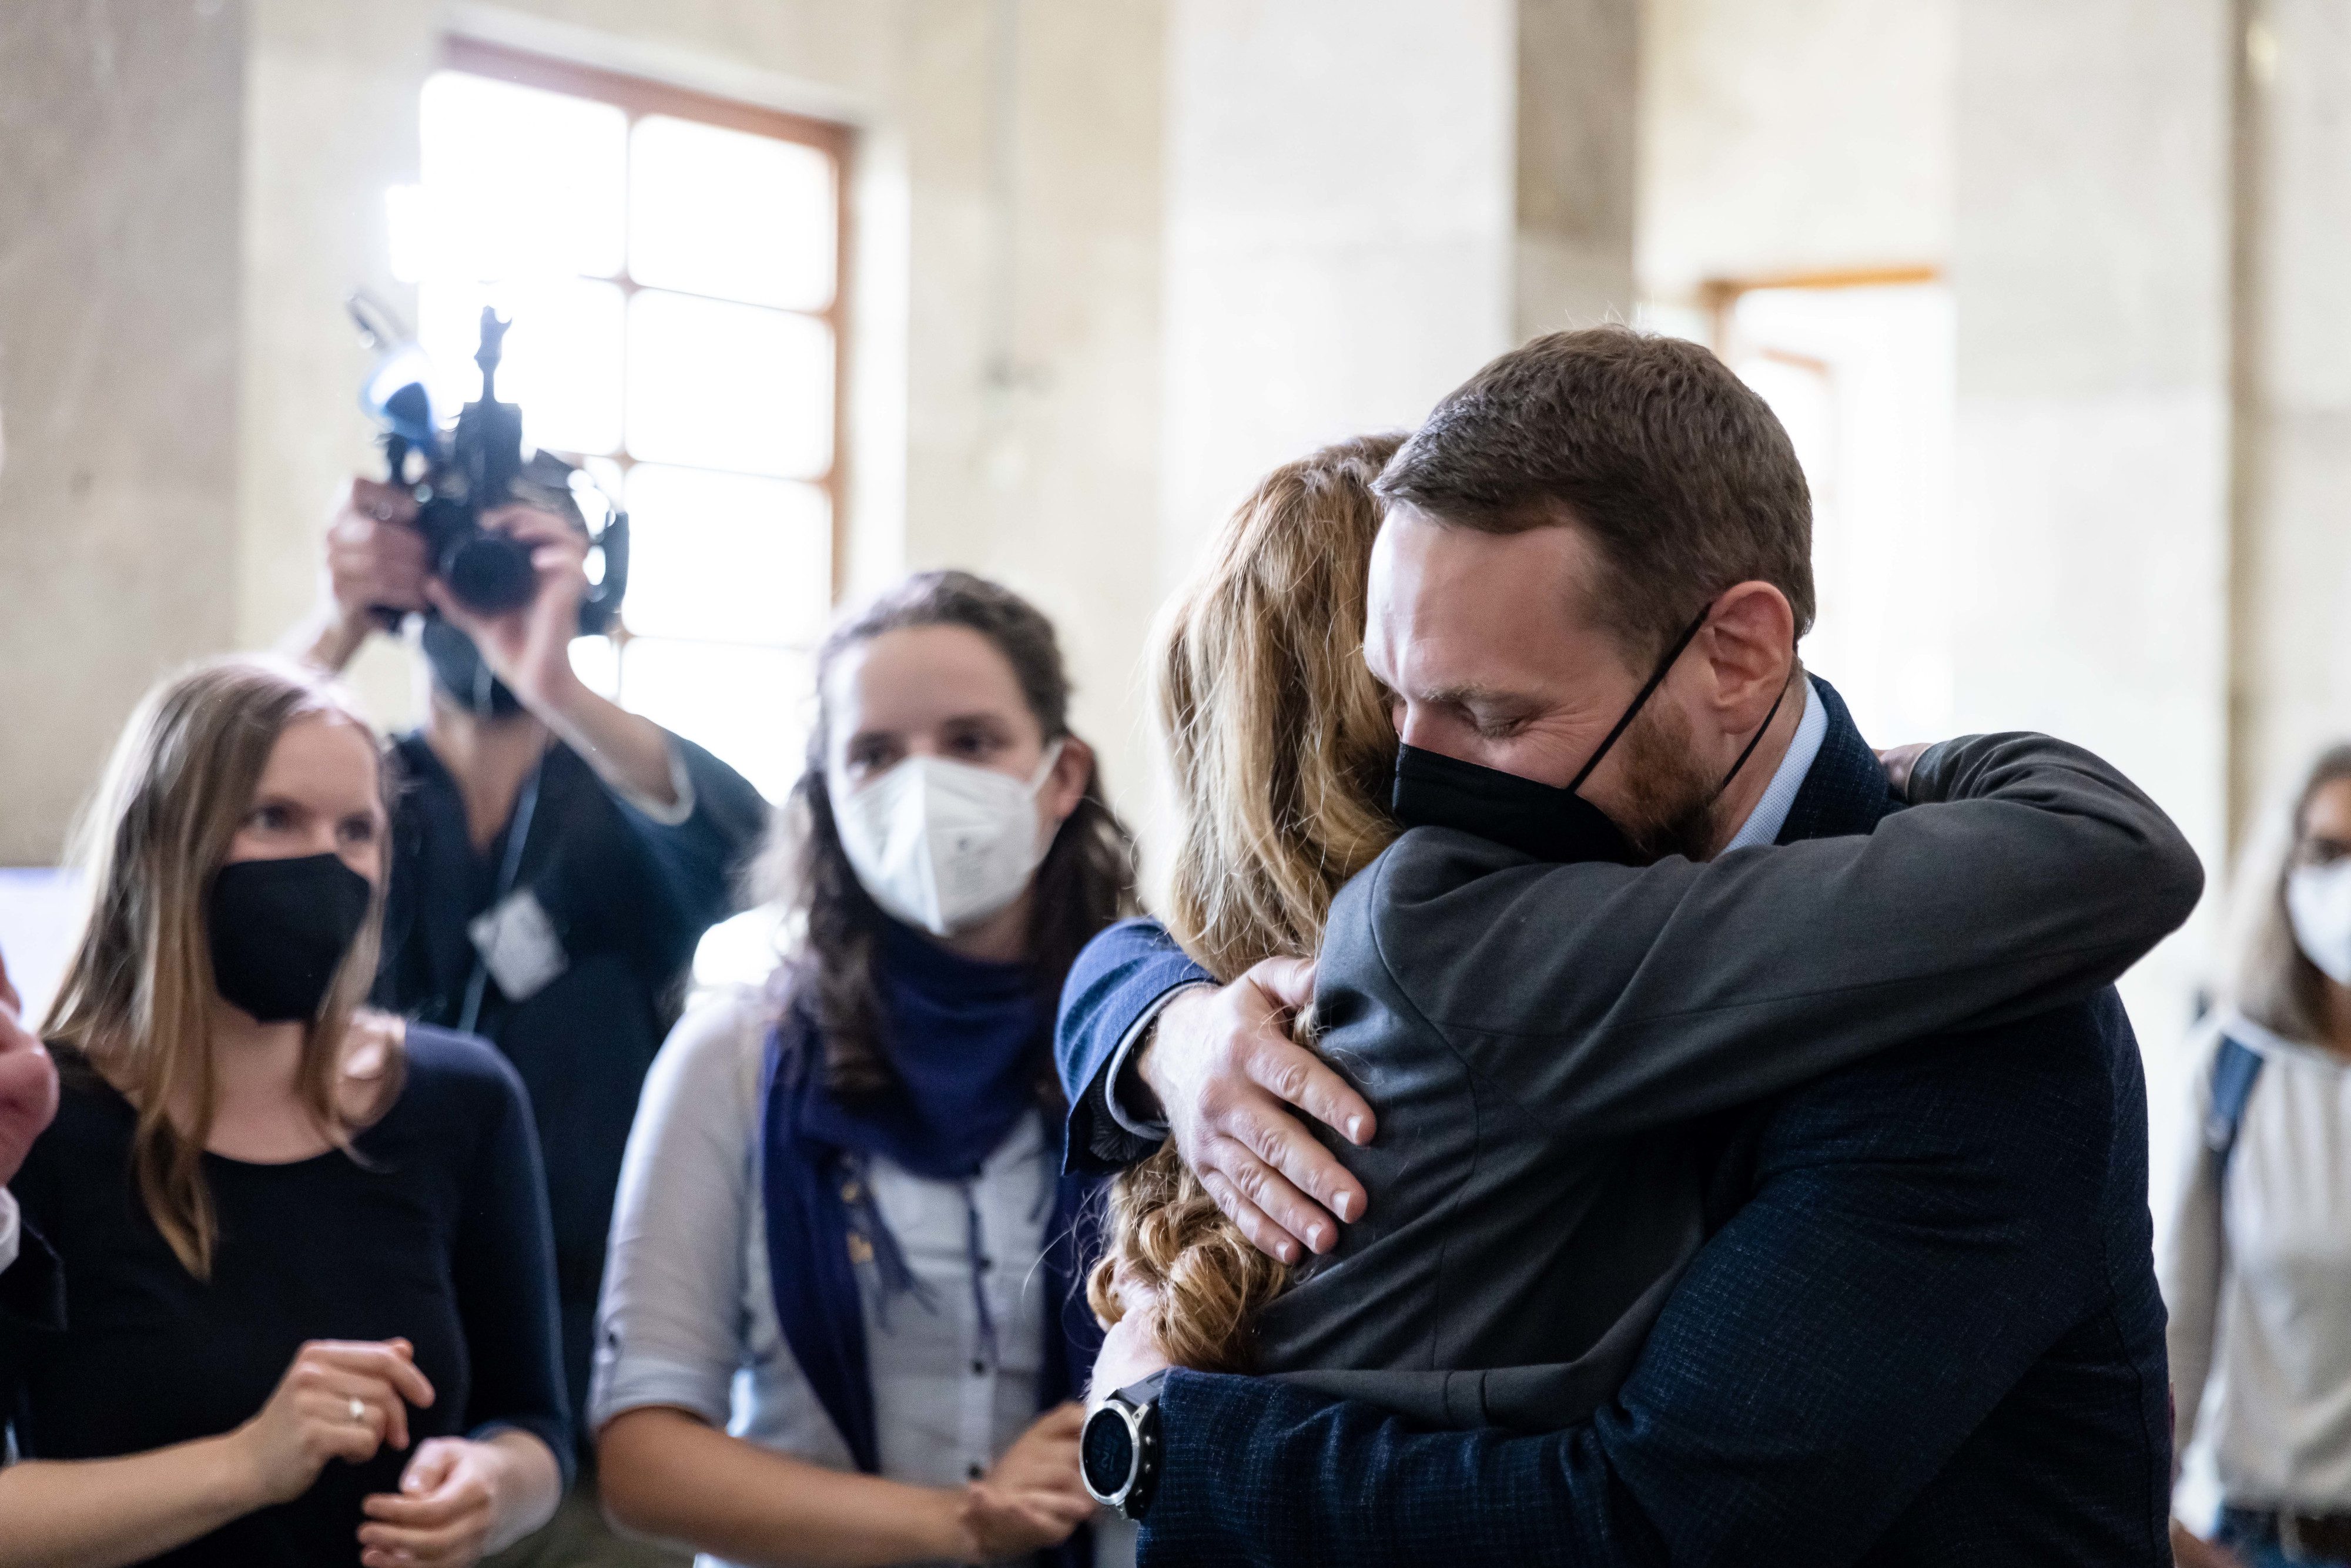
[(1118, 1454)]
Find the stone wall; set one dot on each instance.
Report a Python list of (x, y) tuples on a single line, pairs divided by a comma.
[(120, 203)]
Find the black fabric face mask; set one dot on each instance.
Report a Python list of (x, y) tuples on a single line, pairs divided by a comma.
[(1540, 820), (279, 931), (461, 675)]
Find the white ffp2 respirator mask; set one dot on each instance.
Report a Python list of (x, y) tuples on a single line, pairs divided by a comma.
[(2318, 901), (943, 846)]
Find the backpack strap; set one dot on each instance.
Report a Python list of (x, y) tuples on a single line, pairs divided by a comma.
[(2234, 1069)]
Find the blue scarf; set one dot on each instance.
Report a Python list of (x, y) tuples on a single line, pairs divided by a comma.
[(963, 1038)]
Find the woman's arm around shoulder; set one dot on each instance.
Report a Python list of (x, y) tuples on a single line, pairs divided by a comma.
[(2030, 874)]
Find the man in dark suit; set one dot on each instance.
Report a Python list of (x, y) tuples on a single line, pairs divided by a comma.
[(1930, 1332)]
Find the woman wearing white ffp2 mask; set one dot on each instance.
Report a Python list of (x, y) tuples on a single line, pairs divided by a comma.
[(887, 1104), (2254, 1254), (945, 844)]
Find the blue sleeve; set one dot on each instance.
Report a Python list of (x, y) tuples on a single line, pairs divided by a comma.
[(1921, 1233), (1114, 982), (695, 863), (504, 1270)]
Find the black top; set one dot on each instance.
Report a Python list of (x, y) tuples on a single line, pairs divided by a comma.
[(437, 1233), (627, 898)]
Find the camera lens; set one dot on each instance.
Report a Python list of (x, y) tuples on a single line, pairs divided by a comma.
[(489, 572)]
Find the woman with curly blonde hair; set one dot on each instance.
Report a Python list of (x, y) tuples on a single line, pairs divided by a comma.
[(1533, 1198), (1261, 684)]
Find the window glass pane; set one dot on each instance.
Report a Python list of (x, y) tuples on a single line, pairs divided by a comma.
[(722, 212), (715, 385), (727, 556), (749, 706), (518, 182), (597, 661), (562, 359)]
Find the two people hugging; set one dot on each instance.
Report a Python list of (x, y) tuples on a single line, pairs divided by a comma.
[(1617, 1115)]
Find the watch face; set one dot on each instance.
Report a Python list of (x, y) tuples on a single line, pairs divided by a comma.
[(1106, 1456)]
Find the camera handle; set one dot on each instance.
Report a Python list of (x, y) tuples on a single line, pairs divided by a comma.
[(396, 461)]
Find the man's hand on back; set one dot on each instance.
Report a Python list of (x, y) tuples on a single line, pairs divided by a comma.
[(29, 1084), (1227, 1075)]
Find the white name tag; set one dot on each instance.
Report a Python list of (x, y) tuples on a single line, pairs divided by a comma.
[(518, 944)]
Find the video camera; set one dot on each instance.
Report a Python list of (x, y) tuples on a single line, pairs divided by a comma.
[(477, 468)]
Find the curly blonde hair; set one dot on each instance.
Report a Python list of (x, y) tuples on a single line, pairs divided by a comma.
[(1282, 750)]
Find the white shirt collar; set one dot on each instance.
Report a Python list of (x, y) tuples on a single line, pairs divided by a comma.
[(1771, 813)]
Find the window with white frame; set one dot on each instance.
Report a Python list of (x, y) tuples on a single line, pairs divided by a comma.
[(672, 266)]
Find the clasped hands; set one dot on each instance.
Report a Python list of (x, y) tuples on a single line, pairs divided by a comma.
[(346, 1400)]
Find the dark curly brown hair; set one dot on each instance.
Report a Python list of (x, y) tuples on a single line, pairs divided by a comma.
[(1086, 881)]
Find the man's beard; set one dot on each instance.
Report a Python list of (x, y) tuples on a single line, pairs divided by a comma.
[(1670, 805)]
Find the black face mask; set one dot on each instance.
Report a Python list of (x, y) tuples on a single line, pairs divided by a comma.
[(279, 931), (460, 675), (1538, 821)]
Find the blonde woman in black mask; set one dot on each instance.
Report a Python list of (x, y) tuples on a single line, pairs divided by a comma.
[(304, 1249)]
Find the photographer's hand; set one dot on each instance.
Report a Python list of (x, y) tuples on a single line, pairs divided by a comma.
[(530, 647), (375, 562), (530, 650)]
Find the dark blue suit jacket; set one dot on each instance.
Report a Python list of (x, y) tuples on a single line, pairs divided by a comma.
[(1931, 1333)]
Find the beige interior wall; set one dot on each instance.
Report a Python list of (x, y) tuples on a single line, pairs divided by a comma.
[(2068, 167), (1575, 184), (1340, 197), (2292, 599), (119, 318), (2092, 269), (1782, 136)]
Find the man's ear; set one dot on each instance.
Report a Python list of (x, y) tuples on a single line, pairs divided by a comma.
[(1066, 785), (1751, 645)]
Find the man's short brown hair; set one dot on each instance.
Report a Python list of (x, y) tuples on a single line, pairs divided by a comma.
[(1678, 470)]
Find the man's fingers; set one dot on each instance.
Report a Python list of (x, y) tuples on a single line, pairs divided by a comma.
[(1263, 1234), (1234, 1196), (1288, 981), (1304, 1168), (1295, 1075)]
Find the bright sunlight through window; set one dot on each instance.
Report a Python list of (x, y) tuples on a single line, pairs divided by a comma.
[(671, 266)]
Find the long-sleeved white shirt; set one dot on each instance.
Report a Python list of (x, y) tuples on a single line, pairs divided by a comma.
[(688, 1315), (7, 1227), (2256, 1272)]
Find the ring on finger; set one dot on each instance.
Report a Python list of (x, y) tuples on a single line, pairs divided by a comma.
[(358, 1411)]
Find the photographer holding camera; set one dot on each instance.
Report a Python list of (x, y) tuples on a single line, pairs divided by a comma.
[(556, 859)]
